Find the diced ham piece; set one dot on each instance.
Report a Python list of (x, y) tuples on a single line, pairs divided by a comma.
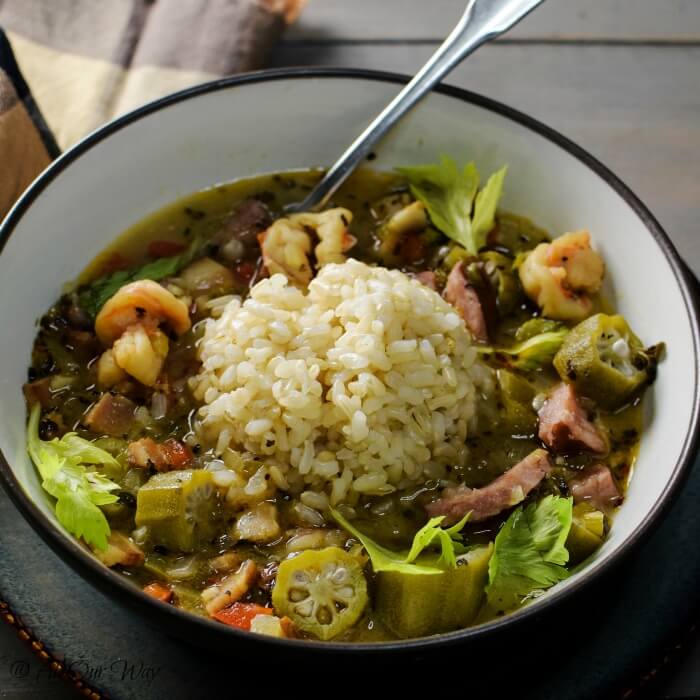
[(463, 296), (564, 426), (228, 561), (595, 485), (38, 391), (112, 415), (162, 456), (231, 589), (120, 551), (506, 491), (427, 277)]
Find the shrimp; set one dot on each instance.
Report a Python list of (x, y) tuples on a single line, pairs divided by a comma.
[(331, 227), (560, 276), (285, 249), (131, 322), (584, 267), (109, 373), (144, 303), (286, 245), (141, 352)]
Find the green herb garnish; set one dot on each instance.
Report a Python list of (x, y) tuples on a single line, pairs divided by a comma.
[(537, 326), (448, 539), (78, 490), (530, 552), (448, 194), (93, 297), (535, 352)]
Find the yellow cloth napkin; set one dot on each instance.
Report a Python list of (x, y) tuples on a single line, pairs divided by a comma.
[(87, 62)]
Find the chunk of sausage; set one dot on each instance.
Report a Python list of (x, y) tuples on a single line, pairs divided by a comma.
[(242, 226), (596, 485), (38, 391), (112, 415), (463, 296), (564, 426), (506, 491), (163, 457)]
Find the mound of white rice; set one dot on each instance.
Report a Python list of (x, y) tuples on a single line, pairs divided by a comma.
[(365, 384)]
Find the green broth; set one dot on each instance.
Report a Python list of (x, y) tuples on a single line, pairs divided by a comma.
[(390, 520)]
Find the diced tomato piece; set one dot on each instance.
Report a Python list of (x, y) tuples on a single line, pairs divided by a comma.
[(159, 592), (289, 629), (178, 454), (245, 271), (113, 263), (412, 249), (164, 249), (241, 614)]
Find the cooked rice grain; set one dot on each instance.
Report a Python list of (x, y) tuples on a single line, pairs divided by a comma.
[(366, 384)]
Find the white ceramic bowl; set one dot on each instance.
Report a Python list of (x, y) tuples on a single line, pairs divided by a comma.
[(280, 120)]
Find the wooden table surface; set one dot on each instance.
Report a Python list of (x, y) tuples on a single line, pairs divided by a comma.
[(620, 77)]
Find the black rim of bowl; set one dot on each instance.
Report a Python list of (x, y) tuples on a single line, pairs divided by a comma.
[(113, 583)]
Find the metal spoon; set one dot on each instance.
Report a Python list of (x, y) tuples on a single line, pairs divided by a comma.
[(482, 21)]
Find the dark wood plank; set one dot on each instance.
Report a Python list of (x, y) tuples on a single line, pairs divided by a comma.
[(618, 20), (634, 108)]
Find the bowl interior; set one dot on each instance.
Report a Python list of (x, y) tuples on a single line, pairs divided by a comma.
[(271, 125)]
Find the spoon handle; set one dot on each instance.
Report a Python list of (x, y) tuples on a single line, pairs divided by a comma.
[(482, 21)]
